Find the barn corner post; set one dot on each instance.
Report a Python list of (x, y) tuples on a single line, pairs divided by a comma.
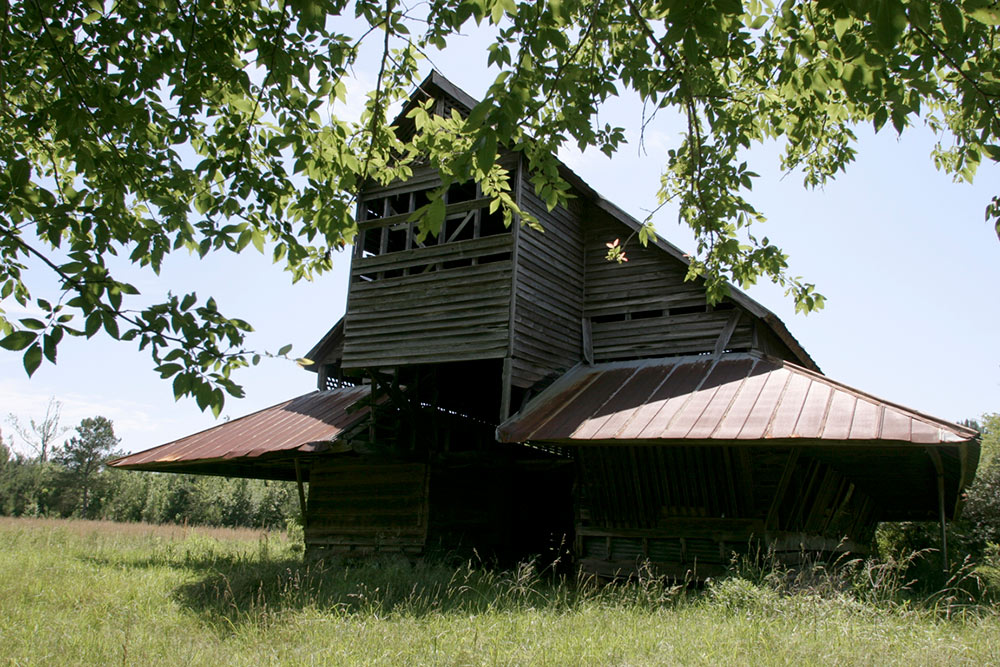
[(302, 492), (942, 517)]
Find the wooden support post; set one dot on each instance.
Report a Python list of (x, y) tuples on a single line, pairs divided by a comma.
[(586, 331), (302, 492), (942, 517), (505, 386), (779, 493)]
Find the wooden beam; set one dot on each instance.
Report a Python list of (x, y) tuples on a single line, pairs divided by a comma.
[(505, 388), (588, 340), (302, 492), (727, 331), (779, 492), (939, 469)]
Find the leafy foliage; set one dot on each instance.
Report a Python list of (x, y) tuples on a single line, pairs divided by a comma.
[(982, 510), (131, 130), (75, 483), (83, 457)]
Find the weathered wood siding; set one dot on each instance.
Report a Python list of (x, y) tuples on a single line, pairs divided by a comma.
[(645, 308), (359, 509), (681, 507), (548, 304), (437, 300)]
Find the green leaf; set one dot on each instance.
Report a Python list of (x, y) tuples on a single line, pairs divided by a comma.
[(987, 15), (111, 325), (168, 370), (18, 340), (32, 359), (487, 152), (841, 25), (32, 323), (181, 385), (953, 21), (285, 349), (49, 343), (890, 21), (920, 14), (20, 173), (478, 115), (93, 324)]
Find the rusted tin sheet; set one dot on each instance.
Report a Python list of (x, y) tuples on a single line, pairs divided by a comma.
[(731, 397), (306, 424)]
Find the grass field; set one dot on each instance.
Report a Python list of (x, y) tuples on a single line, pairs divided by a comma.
[(75, 592)]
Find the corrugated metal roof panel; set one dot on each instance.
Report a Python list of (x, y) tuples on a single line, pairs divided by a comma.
[(734, 396), (304, 424)]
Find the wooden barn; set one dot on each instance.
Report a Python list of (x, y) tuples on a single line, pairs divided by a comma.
[(508, 391)]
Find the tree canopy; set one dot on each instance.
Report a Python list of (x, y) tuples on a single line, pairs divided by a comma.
[(131, 130)]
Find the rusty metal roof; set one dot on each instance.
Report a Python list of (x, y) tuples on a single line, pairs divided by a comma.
[(307, 424), (744, 397)]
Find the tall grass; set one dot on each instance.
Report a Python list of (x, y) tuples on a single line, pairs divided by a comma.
[(92, 593)]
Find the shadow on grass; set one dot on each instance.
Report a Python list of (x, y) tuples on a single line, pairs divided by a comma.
[(243, 592)]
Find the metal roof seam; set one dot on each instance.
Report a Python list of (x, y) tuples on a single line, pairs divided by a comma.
[(635, 372), (854, 413), (628, 422), (305, 418), (879, 421), (774, 412), (760, 392), (732, 400), (691, 394)]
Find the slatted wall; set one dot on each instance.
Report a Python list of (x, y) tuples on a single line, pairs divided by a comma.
[(441, 299), (686, 507), (549, 293), (644, 307), (358, 510)]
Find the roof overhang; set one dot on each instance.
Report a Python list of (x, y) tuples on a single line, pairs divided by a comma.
[(264, 444), (753, 400)]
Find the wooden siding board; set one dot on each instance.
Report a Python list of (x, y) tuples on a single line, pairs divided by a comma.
[(456, 250), (549, 286), (650, 280)]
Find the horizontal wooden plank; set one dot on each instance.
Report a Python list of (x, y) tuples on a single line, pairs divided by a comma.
[(451, 209), (647, 337), (433, 324), (445, 252), (425, 280), (451, 305), (415, 343), (386, 359)]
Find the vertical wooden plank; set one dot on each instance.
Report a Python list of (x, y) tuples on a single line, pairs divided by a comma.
[(942, 517), (731, 486), (779, 493), (588, 340), (745, 481), (302, 493), (505, 385)]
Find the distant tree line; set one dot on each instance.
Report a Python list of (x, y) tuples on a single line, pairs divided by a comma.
[(72, 480)]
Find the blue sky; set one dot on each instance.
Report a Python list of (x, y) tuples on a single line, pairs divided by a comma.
[(910, 268)]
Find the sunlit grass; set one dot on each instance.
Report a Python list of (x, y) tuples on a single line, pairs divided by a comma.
[(102, 593)]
